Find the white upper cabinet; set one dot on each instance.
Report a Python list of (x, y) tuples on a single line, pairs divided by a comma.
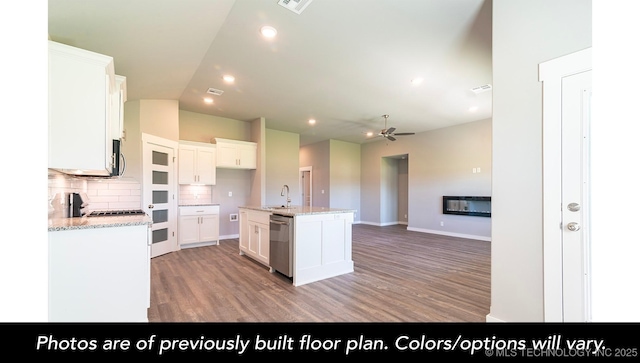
[(236, 154), (80, 86), (196, 163), (118, 98)]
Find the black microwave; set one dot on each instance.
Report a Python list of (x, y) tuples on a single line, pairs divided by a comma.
[(119, 163)]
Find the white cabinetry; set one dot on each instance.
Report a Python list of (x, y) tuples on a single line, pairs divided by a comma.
[(235, 154), (99, 274), (198, 225), (254, 235), (322, 246), (80, 88), (196, 163), (118, 98)]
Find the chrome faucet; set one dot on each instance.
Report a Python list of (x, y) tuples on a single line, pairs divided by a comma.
[(282, 194)]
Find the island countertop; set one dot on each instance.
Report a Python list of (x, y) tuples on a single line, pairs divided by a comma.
[(297, 210), (64, 224)]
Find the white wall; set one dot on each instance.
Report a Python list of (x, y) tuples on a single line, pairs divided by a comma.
[(525, 33)]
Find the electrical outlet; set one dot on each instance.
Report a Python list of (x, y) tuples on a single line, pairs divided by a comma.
[(230, 194), (233, 217), (405, 216), (441, 223)]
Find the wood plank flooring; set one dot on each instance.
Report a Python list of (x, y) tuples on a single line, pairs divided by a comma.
[(400, 276)]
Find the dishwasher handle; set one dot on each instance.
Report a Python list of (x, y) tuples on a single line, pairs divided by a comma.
[(279, 222)]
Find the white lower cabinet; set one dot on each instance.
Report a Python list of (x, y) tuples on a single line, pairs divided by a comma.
[(99, 274), (198, 225), (254, 235)]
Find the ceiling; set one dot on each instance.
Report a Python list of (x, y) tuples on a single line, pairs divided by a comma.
[(344, 63)]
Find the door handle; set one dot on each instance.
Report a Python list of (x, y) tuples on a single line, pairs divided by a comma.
[(573, 226)]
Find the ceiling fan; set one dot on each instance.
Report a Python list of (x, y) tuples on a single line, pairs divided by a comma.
[(388, 133)]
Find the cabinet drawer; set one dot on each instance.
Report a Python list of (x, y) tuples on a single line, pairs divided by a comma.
[(259, 217), (196, 210)]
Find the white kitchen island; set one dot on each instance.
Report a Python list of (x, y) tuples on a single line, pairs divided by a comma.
[(321, 243)]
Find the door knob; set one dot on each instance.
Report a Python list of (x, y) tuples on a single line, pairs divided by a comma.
[(573, 207), (573, 226), (150, 206)]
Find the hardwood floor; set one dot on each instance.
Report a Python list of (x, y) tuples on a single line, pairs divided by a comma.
[(400, 276)]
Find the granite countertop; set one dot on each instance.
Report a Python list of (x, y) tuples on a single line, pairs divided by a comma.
[(65, 224), (197, 204), (297, 210)]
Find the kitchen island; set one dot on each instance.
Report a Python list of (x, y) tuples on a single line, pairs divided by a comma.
[(321, 239)]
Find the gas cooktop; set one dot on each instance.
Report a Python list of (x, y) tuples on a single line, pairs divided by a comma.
[(112, 213)]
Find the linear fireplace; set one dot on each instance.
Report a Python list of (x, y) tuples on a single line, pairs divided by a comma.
[(467, 206)]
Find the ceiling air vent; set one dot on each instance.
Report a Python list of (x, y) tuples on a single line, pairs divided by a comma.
[(480, 89), (214, 91), (295, 5)]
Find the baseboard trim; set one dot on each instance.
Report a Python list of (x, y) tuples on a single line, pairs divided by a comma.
[(491, 319), (229, 236), (450, 234)]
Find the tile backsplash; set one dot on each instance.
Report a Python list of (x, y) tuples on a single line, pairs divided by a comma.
[(195, 194), (103, 194)]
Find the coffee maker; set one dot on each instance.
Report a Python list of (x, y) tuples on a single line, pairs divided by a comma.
[(77, 204)]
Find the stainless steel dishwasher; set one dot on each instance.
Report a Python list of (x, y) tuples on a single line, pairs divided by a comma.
[(280, 244)]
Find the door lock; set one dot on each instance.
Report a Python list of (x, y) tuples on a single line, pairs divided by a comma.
[(573, 226), (150, 206), (573, 207)]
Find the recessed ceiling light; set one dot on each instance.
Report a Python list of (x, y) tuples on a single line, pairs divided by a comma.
[(473, 108), (208, 100), (312, 121), (228, 78), (268, 31), (417, 81), (369, 133)]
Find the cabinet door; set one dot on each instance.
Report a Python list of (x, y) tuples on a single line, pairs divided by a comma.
[(227, 156), (244, 231), (209, 227), (118, 98), (80, 84), (187, 165), (189, 229), (206, 166), (247, 156), (254, 239), (263, 243)]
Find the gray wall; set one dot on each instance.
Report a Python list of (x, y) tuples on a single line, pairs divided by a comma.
[(282, 167), (525, 33), (317, 156), (344, 176), (440, 162)]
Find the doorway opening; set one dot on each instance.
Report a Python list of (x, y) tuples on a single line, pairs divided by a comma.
[(394, 198), (306, 185)]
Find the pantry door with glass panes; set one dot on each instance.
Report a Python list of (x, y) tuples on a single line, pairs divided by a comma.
[(159, 192)]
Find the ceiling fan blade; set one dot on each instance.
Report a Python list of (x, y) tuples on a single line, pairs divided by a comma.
[(389, 137), (403, 133), (390, 130)]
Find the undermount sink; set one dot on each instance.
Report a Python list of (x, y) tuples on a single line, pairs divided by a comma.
[(277, 208)]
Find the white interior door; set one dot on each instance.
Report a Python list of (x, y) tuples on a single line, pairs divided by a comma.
[(159, 184), (566, 187), (576, 111)]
